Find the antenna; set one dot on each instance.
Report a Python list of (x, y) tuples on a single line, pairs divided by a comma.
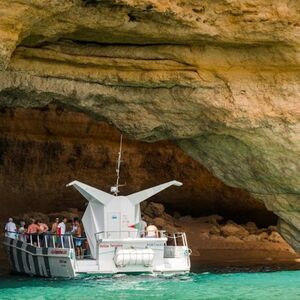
[(115, 189)]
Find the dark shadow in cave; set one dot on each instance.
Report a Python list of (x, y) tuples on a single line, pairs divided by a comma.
[(41, 150)]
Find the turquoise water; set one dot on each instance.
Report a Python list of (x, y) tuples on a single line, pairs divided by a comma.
[(272, 285)]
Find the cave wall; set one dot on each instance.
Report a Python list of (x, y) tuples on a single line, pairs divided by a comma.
[(42, 150), (219, 78)]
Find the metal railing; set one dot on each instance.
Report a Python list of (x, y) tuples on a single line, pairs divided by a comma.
[(177, 239), (44, 240)]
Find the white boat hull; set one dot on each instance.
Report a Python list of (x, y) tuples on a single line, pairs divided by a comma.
[(46, 262), (143, 255)]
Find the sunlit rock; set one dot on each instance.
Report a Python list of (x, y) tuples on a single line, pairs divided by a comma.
[(220, 79)]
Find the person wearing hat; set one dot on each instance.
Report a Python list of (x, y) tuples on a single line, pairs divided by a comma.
[(11, 229)]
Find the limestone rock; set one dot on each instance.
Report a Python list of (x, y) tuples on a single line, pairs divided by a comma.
[(213, 219), (215, 230), (275, 237), (272, 228), (220, 79), (263, 236), (160, 223), (35, 215), (251, 227), (170, 229), (186, 219), (251, 238), (154, 210), (233, 239), (176, 215), (233, 230)]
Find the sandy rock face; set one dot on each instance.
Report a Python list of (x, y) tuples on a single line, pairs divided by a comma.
[(231, 229), (219, 78)]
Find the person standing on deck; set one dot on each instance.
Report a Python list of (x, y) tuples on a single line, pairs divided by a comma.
[(22, 230), (53, 237), (54, 225), (152, 231), (42, 227), (61, 230), (61, 227), (11, 229), (142, 227), (78, 238), (32, 232)]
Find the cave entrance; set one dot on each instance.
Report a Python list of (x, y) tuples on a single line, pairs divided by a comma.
[(43, 149)]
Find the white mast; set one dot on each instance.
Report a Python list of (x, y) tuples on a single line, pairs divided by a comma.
[(115, 189)]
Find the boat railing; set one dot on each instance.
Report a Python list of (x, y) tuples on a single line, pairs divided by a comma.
[(177, 246), (177, 239), (128, 234), (45, 240)]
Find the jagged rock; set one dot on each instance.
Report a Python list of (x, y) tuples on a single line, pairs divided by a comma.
[(215, 230), (213, 219), (70, 215), (233, 239), (160, 223), (275, 237), (251, 238), (272, 228), (176, 215), (168, 218), (73, 211), (35, 215), (263, 236), (261, 230), (222, 80), (154, 210), (148, 219), (251, 227), (170, 229), (187, 219), (143, 205), (231, 229)]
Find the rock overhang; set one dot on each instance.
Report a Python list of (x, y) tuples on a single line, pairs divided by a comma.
[(220, 79)]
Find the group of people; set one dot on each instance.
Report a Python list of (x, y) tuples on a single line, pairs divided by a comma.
[(38, 233)]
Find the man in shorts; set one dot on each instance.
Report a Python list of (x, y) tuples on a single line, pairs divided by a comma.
[(77, 232)]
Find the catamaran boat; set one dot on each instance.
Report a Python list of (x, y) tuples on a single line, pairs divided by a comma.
[(116, 242)]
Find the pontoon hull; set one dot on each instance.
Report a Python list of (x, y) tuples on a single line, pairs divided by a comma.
[(58, 262), (45, 262)]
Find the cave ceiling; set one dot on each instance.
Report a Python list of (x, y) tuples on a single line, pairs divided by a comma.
[(219, 79)]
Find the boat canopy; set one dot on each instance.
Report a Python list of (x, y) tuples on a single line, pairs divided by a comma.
[(106, 212)]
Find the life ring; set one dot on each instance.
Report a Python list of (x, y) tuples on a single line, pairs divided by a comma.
[(188, 252)]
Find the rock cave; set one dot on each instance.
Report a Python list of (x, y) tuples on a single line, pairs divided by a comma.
[(207, 95)]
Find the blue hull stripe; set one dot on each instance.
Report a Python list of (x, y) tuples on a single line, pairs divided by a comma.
[(19, 256), (46, 261), (11, 255)]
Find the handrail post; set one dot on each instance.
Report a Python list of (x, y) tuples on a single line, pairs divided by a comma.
[(69, 241), (30, 238), (53, 240), (46, 240), (62, 242), (38, 240)]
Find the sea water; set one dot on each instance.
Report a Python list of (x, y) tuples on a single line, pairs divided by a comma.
[(270, 285)]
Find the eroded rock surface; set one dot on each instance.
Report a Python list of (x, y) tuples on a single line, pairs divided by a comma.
[(221, 79), (41, 150), (214, 242)]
